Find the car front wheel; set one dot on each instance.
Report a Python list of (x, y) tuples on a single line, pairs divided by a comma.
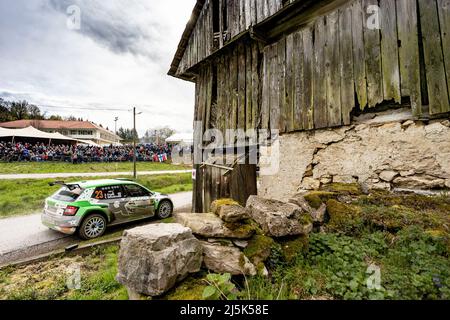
[(165, 209), (93, 226)]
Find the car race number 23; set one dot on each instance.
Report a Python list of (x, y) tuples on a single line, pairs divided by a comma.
[(99, 194)]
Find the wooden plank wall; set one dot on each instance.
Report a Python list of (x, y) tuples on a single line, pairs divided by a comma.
[(238, 89), (316, 76), (241, 15)]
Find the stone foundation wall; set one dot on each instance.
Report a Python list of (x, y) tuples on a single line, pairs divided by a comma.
[(379, 151)]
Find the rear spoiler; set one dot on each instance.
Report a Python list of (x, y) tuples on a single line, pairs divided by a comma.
[(63, 184)]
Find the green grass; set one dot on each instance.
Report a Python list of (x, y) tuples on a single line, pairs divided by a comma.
[(61, 167), (413, 266), (19, 197), (47, 280)]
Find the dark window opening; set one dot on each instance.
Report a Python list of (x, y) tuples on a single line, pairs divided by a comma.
[(216, 16), (224, 15)]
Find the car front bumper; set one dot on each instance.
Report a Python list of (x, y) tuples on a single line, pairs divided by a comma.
[(63, 224)]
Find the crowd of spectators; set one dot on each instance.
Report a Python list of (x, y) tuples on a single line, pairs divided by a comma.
[(39, 152)]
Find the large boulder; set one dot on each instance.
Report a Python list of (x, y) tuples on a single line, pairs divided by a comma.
[(209, 225), (226, 259), (277, 218), (153, 258)]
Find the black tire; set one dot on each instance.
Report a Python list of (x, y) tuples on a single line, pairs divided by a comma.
[(93, 226), (165, 209)]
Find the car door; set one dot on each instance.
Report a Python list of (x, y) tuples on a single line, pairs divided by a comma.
[(114, 197), (139, 202)]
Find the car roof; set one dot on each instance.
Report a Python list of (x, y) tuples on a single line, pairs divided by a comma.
[(102, 183)]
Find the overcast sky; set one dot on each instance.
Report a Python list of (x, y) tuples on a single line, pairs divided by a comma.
[(118, 59)]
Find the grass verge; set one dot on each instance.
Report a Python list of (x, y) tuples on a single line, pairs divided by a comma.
[(49, 280), (65, 167)]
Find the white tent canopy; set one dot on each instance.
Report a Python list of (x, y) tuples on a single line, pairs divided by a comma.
[(187, 138), (89, 143), (32, 133)]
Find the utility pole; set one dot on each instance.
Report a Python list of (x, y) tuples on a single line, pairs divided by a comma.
[(115, 126), (134, 142)]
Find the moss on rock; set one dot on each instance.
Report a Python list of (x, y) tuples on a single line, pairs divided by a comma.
[(190, 289), (306, 219), (258, 249), (396, 217), (316, 198), (412, 201), (245, 227), (222, 202), (353, 189), (292, 247), (343, 217)]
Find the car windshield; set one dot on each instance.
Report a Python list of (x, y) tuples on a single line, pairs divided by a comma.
[(68, 193)]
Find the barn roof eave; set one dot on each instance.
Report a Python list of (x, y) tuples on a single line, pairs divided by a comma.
[(185, 38)]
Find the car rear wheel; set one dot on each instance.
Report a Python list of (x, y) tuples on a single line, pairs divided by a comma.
[(93, 226), (165, 209)]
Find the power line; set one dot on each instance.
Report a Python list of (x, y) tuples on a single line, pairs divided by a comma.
[(86, 108)]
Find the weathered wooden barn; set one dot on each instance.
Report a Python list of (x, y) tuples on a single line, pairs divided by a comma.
[(306, 65)]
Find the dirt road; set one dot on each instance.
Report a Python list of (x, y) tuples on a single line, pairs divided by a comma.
[(25, 236)]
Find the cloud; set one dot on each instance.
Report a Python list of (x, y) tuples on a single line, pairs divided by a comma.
[(119, 59), (117, 24)]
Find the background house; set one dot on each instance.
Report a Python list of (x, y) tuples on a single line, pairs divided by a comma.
[(79, 130)]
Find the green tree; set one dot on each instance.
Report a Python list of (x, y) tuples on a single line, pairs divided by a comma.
[(55, 117), (158, 135), (34, 112), (19, 110), (5, 114), (127, 134)]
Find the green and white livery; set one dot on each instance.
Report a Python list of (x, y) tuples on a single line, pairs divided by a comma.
[(89, 207)]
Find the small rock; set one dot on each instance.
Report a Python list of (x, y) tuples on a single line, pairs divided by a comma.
[(310, 184), (344, 179), (299, 200), (153, 258), (388, 176), (426, 182), (215, 205), (407, 124), (264, 272), (240, 243), (407, 173), (381, 186), (222, 242), (209, 225), (326, 180), (319, 214), (447, 183), (232, 213), (279, 219), (222, 259)]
